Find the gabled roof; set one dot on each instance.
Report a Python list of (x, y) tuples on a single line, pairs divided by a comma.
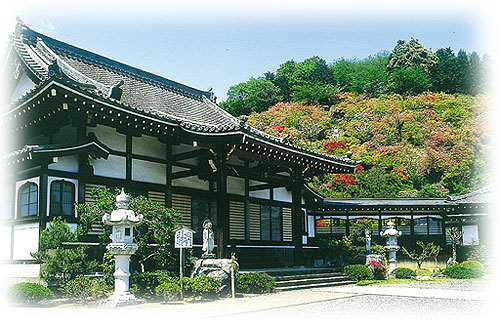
[(51, 61), (90, 146)]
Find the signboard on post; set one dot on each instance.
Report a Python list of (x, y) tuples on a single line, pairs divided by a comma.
[(183, 237)]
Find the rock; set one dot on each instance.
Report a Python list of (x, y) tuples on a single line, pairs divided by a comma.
[(219, 269)]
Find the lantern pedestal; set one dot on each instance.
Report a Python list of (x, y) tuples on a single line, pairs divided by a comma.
[(123, 221), (391, 235)]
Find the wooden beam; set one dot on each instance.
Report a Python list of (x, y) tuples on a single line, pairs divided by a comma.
[(266, 186), (189, 154), (184, 174)]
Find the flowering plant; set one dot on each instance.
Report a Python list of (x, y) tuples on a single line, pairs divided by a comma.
[(378, 269)]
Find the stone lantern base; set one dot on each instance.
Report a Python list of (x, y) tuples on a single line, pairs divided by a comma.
[(125, 299)]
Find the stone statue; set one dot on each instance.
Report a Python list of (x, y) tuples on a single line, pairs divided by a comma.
[(208, 239), (368, 239)]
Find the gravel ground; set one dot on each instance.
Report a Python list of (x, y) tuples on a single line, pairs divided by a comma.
[(368, 306), (462, 285)]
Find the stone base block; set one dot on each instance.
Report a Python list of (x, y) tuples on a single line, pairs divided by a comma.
[(116, 300)]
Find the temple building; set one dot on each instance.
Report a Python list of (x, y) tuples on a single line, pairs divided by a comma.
[(75, 121)]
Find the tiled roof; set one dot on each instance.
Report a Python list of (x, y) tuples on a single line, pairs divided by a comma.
[(483, 195), (191, 109)]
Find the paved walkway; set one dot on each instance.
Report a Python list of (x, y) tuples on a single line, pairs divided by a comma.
[(412, 292), (350, 302)]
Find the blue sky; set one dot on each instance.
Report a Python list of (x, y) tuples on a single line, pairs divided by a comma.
[(218, 44)]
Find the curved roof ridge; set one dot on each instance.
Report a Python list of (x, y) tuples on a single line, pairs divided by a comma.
[(104, 62)]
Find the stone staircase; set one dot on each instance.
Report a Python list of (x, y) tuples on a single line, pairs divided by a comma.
[(306, 278)]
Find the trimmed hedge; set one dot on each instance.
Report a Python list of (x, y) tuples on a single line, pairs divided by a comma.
[(255, 282), (404, 273), (29, 293), (170, 289), (358, 272), (82, 289), (201, 286), (459, 271), (471, 264), (145, 283)]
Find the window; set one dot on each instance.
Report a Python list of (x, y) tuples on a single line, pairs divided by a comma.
[(270, 223), (28, 200), (62, 198)]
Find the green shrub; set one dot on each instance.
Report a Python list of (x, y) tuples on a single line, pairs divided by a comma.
[(460, 272), (29, 293), (255, 282), (358, 272), (146, 282), (170, 289), (82, 289), (201, 286), (475, 265), (404, 273)]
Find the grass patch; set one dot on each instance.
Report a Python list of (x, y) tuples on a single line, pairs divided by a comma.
[(423, 272)]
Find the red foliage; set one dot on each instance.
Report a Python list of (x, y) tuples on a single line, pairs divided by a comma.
[(331, 146), (344, 179)]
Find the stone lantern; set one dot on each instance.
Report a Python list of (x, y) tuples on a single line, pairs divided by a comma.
[(391, 235), (122, 247)]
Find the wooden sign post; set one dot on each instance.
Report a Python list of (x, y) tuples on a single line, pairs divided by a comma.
[(183, 239)]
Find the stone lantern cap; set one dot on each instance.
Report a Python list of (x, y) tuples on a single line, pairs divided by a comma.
[(391, 231), (122, 216)]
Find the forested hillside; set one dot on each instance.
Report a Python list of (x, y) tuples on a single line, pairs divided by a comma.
[(413, 118)]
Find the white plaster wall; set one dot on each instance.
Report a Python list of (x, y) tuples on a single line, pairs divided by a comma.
[(281, 194), (310, 229), (67, 164), (191, 182), (25, 241), (64, 135), (262, 194), (110, 137), (181, 148), (25, 84), (8, 192), (113, 167), (35, 180), (149, 146), (236, 186), (5, 237), (50, 179), (146, 171)]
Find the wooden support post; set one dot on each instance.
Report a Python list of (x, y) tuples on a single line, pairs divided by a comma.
[(222, 211), (297, 218), (168, 189), (42, 196)]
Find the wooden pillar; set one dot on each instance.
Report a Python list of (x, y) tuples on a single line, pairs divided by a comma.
[(412, 231), (247, 203), (128, 158), (42, 196), (222, 232), (168, 173), (347, 224), (83, 166), (297, 218)]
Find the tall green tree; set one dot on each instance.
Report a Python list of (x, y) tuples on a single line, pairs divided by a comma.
[(255, 95), (448, 74), (412, 54), (154, 237)]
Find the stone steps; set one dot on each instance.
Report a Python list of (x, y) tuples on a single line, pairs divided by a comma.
[(305, 278)]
